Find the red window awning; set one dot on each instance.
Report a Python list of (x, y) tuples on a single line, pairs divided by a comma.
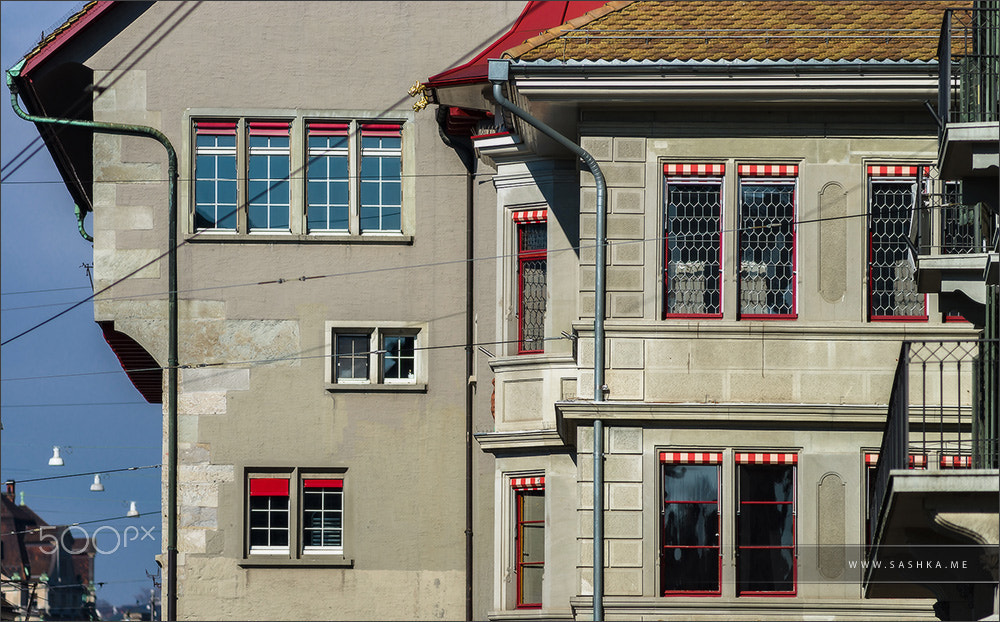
[(896, 171), (269, 487), (528, 483), (269, 128), (956, 462), (323, 483), (328, 129), (681, 457), (529, 216), (768, 170), (215, 127), (753, 458), (701, 170), (381, 129)]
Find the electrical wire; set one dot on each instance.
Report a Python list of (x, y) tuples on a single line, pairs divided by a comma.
[(85, 522), (51, 477)]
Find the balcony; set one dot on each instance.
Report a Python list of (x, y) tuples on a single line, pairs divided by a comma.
[(936, 531), (968, 94)]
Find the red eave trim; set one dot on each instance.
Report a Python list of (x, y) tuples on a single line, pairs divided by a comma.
[(63, 37), (535, 18)]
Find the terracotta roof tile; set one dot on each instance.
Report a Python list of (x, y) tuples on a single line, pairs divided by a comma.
[(746, 30)]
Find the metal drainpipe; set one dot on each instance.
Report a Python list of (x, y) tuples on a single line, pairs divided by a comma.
[(79, 223), (498, 75), (149, 132)]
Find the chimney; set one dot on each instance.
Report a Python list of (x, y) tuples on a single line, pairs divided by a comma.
[(9, 485)]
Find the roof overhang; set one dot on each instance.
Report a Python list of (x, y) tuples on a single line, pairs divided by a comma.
[(843, 82)]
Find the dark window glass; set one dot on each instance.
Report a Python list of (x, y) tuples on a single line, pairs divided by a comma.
[(765, 529), (530, 547), (693, 240), (690, 529)]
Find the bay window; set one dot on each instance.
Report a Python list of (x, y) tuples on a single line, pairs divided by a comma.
[(529, 540)]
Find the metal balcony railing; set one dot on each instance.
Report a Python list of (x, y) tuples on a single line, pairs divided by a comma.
[(969, 82), (946, 226), (943, 405)]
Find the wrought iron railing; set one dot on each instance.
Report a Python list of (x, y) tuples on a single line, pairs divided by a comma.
[(969, 64), (946, 226), (943, 405)]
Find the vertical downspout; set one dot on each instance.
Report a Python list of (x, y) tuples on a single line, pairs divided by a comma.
[(498, 76), (468, 158), (149, 132)]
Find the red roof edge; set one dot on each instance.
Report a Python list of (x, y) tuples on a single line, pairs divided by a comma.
[(141, 367), (64, 33), (537, 16)]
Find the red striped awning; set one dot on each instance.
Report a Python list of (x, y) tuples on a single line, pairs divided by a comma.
[(269, 128), (768, 170), (323, 483), (956, 462), (381, 129), (269, 487), (871, 459), (328, 129), (528, 483), (215, 127), (748, 458), (918, 461), (704, 170), (682, 457), (896, 171), (536, 215)]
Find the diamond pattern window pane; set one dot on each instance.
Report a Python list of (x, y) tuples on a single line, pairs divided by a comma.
[(693, 229), (767, 248), (892, 284), (532, 288)]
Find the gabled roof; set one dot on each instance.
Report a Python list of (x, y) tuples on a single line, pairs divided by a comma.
[(69, 29), (536, 17), (747, 30)]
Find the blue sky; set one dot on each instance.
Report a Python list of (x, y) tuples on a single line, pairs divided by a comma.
[(100, 420)]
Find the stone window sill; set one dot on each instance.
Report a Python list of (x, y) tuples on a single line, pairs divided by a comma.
[(375, 388), (307, 561)]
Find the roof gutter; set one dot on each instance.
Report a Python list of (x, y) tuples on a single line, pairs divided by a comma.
[(499, 74), (12, 76)]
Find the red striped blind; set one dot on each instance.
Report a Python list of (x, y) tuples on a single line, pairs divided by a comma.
[(871, 459), (753, 458), (528, 483), (681, 457), (706, 170), (269, 487), (956, 462), (895, 171), (918, 461), (768, 170), (538, 215)]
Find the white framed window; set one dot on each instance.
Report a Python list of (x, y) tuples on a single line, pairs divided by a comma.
[(295, 513), (391, 354), (300, 175)]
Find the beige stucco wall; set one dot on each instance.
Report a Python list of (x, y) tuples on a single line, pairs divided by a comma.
[(403, 452)]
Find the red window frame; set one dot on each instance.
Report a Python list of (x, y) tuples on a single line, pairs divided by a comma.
[(678, 174), (694, 458), (522, 220), (524, 486), (782, 174), (751, 460), (897, 174)]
